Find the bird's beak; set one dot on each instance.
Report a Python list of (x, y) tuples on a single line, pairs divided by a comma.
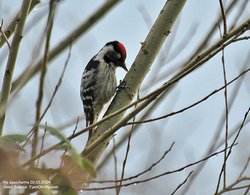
[(123, 65)]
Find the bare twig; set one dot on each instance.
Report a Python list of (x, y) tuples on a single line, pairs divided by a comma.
[(43, 68), (241, 38), (238, 133), (124, 162), (115, 165), (226, 112), (127, 150), (224, 18), (223, 169), (236, 186), (231, 146), (182, 183), (4, 35), (247, 191)]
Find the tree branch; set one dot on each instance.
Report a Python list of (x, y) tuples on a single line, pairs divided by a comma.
[(7, 82)]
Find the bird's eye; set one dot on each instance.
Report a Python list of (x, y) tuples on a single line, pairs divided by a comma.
[(119, 56)]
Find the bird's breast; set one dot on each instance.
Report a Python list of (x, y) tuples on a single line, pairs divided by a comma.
[(107, 83)]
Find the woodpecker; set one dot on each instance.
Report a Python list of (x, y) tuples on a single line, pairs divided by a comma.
[(98, 82)]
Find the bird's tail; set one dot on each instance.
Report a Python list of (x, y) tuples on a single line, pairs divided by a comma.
[(90, 122), (90, 134)]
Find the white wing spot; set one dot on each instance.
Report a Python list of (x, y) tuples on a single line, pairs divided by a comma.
[(87, 98)]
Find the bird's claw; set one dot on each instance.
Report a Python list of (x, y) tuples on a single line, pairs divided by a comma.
[(122, 85)]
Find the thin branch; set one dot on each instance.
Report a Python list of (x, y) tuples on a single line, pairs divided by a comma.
[(223, 170), (124, 162), (43, 68), (238, 133), (241, 38), (247, 191), (182, 183), (127, 150), (4, 35), (231, 146), (115, 165), (235, 186), (232, 133), (224, 18)]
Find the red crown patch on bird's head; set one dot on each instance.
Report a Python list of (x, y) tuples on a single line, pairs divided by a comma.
[(122, 50)]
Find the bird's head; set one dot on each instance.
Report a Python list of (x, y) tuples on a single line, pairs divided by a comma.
[(115, 52)]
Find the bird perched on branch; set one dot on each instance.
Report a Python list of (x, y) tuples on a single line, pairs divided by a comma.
[(98, 83)]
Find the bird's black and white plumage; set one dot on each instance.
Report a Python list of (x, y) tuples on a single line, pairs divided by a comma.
[(98, 83)]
